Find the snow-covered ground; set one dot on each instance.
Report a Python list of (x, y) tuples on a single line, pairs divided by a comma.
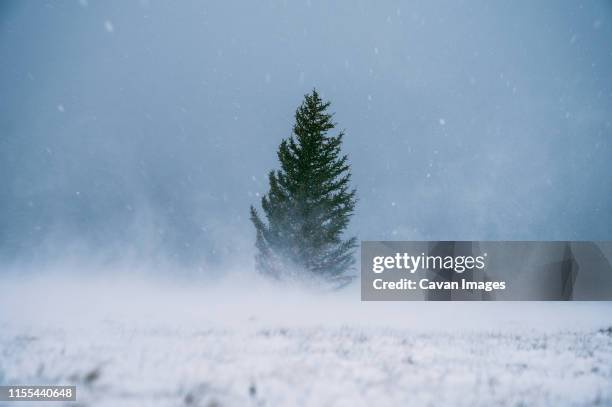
[(242, 343)]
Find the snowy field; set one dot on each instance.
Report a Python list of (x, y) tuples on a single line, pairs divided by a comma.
[(166, 344)]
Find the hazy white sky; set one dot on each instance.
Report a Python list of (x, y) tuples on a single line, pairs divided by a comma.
[(152, 125)]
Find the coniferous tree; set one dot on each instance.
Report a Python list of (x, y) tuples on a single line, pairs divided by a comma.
[(310, 201)]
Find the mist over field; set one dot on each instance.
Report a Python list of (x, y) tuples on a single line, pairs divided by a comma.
[(145, 129), (126, 341)]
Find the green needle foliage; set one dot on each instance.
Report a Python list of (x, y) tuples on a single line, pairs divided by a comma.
[(310, 201)]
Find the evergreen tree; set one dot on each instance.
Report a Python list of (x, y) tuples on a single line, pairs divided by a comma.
[(310, 201)]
